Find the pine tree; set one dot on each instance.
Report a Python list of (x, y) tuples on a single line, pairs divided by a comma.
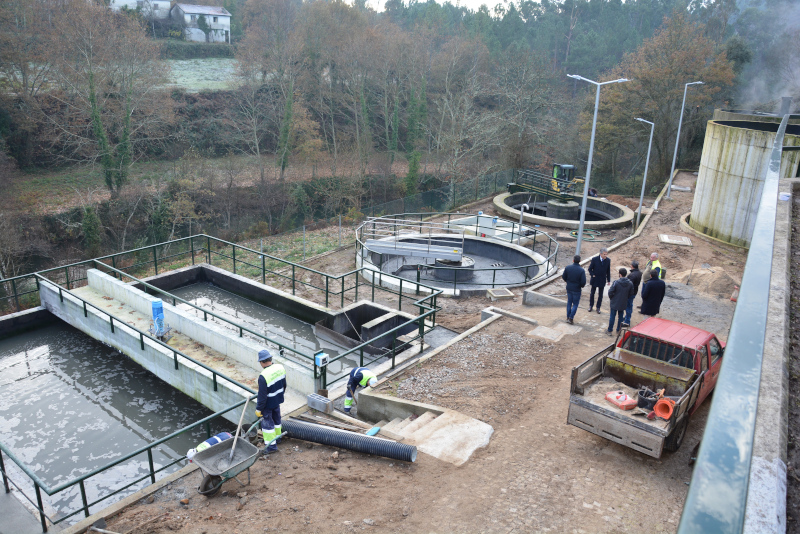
[(91, 230)]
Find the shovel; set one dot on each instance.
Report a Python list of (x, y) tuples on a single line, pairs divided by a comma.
[(238, 429)]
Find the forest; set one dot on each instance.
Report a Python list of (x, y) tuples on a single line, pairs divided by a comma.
[(336, 106)]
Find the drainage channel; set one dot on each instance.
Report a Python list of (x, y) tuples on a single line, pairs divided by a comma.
[(69, 404), (287, 330)]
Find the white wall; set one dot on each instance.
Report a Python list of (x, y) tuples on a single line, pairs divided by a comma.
[(220, 30)]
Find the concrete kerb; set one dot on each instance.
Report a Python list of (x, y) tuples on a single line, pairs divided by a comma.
[(113, 509), (615, 246), (766, 495)]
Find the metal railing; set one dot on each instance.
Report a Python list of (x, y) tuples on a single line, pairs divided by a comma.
[(505, 231), (39, 485), (717, 496)]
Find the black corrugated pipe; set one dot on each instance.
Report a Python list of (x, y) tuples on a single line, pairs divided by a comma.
[(350, 440)]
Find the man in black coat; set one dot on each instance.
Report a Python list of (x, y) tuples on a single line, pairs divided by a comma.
[(618, 294), (600, 272), (652, 294), (634, 276), (575, 277)]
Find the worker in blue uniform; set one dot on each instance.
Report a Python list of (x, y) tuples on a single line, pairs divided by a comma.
[(359, 377), (271, 386)]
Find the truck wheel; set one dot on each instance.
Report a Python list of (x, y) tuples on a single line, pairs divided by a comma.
[(674, 440)]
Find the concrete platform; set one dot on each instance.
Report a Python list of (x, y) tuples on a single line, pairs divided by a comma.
[(17, 519)]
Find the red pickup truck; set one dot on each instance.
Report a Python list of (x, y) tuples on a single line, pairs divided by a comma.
[(659, 354)]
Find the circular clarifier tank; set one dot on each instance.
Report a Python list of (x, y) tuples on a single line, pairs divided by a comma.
[(600, 214), (466, 255)]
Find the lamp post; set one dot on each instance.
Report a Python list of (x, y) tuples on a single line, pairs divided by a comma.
[(678, 137), (591, 151), (646, 163)]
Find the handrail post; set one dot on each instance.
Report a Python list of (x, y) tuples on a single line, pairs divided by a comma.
[(394, 342), (293, 279), (85, 311), (66, 275), (494, 276), (83, 498), (191, 246), (360, 364), (175, 355), (141, 339), (214, 375), (355, 299), (150, 461), (419, 272), (341, 305), (327, 280), (155, 260), (208, 429), (114, 265), (234, 259), (3, 469), (41, 506), (264, 270), (16, 297), (400, 297)]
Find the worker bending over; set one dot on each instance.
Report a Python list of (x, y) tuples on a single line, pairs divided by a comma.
[(271, 385), (360, 376)]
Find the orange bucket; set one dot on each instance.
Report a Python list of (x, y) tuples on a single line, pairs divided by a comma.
[(664, 407)]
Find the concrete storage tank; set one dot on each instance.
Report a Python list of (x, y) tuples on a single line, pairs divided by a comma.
[(732, 169)]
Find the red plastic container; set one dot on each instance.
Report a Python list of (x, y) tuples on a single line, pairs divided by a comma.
[(621, 400)]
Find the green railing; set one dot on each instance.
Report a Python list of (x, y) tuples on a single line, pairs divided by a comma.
[(530, 271), (80, 481)]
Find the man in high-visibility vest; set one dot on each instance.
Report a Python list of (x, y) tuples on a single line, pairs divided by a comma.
[(655, 265), (359, 377), (271, 386)]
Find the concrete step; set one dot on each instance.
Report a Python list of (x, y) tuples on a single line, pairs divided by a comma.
[(418, 423), (392, 424), (452, 437), (402, 424), (382, 423)]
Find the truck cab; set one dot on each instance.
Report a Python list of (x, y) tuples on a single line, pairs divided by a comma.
[(678, 344)]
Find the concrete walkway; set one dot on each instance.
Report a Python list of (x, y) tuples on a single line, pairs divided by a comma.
[(16, 518)]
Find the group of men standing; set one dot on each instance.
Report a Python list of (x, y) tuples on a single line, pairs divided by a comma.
[(621, 292)]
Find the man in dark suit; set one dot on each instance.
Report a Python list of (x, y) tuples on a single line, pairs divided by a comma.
[(575, 277), (652, 294), (634, 276), (600, 273)]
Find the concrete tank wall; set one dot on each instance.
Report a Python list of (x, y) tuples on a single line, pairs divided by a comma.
[(731, 177)]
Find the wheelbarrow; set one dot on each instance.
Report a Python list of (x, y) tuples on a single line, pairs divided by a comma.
[(215, 463), (218, 468)]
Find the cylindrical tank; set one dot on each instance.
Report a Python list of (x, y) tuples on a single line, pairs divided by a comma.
[(732, 171)]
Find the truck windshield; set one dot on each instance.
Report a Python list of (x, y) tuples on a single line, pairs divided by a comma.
[(659, 350)]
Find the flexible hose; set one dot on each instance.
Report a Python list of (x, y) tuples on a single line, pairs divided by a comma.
[(350, 441), (592, 235)]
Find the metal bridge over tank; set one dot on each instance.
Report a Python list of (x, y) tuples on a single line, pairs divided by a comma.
[(541, 184), (402, 237)]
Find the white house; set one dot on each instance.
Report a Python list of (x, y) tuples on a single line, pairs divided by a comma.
[(217, 19), (158, 9)]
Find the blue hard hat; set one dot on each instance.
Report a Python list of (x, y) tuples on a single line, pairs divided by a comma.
[(264, 355)]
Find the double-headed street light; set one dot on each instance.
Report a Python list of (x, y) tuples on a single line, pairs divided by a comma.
[(591, 151), (646, 163), (678, 137)]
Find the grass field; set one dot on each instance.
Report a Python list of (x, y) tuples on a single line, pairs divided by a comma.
[(196, 75)]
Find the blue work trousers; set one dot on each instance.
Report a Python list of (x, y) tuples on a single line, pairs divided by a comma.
[(573, 299), (271, 426)]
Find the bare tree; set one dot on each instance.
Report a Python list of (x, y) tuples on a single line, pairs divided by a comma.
[(105, 106)]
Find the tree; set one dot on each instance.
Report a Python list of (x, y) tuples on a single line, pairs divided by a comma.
[(677, 54), (202, 25), (105, 105)]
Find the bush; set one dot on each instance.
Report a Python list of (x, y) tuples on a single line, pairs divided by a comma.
[(191, 50)]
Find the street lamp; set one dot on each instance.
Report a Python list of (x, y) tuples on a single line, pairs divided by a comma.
[(591, 151), (646, 163), (678, 137)]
